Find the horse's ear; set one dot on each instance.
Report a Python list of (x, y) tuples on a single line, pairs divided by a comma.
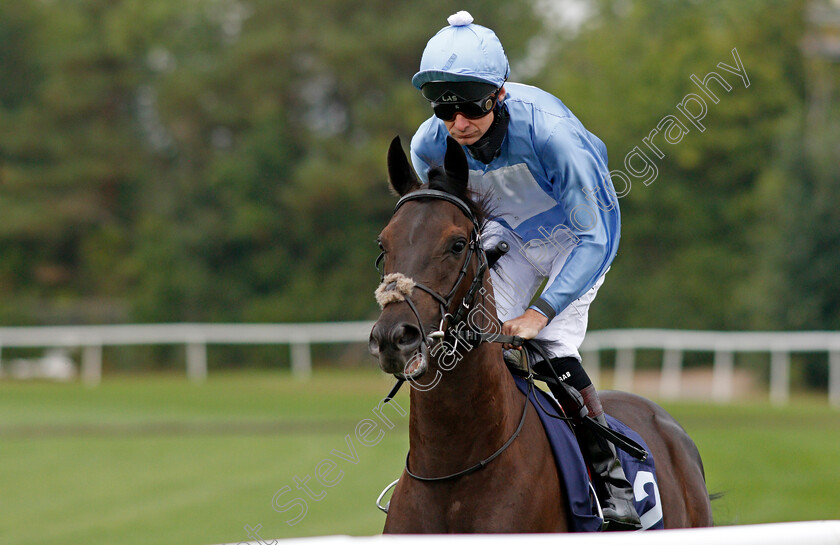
[(455, 165), (402, 177)]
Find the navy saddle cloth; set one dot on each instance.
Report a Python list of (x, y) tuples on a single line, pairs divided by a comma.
[(575, 477)]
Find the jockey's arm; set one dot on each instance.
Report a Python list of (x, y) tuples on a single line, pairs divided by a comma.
[(583, 187)]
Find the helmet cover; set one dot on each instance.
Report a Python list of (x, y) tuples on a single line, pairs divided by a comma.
[(463, 51)]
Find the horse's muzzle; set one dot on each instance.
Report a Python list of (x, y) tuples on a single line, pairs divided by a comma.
[(395, 345)]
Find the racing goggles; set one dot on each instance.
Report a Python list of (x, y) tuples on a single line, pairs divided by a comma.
[(470, 99)]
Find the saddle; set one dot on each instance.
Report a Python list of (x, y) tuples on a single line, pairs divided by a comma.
[(574, 399), (574, 473)]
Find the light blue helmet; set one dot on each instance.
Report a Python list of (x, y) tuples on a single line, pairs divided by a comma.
[(463, 51)]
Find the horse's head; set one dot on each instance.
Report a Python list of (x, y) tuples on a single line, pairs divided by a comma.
[(432, 253)]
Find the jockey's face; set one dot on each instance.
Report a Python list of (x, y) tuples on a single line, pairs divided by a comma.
[(467, 131)]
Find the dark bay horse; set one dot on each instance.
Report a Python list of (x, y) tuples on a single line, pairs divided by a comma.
[(464, 402)]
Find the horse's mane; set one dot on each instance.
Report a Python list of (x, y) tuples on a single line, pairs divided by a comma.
[(478, 205)]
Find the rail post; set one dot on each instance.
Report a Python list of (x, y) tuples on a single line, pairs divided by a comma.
[(669, 386), (779, 377), (92, 364), (834, 378), (723, 373), (197, 360), (625, 361), (301, 360)]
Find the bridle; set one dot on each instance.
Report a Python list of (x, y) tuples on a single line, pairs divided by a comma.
[(449, 317)]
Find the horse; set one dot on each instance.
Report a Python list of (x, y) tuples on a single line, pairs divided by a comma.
[(479, 460)]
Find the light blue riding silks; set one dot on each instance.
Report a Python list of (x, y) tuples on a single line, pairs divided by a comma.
[(550, 185), (463, 52)]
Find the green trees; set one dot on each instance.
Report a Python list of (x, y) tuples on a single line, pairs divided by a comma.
[(695, 240), (224, 160), (213, 160)]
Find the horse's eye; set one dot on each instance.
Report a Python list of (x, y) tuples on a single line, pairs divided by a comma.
[(381, 247), (459, 246)]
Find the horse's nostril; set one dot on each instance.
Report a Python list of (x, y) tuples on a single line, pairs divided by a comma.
[(373, 346), (407, 336), (402, 337), (377, 336)]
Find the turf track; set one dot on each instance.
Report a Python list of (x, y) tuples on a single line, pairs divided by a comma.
[(154, 459)]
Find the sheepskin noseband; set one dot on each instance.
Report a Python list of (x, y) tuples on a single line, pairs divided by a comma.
[(395, 287)]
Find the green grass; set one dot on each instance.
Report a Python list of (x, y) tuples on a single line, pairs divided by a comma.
[(774, 464), (154, 459)]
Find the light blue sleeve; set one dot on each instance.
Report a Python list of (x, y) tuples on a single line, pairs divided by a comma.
[(576, 164)]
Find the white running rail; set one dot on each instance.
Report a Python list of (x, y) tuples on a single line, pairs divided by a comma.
[(300, 337), (825, 532)]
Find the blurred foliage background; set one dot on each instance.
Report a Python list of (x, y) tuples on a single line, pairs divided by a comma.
[(224, 160)]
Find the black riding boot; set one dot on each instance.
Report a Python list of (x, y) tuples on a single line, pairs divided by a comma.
[(614, 491), (617, 501)]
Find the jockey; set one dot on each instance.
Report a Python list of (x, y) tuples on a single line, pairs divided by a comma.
[(551, 198)]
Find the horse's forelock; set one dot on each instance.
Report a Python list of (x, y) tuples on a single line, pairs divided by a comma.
[(439, 180)]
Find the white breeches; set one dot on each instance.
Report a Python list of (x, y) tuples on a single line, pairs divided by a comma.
[(519, 274)]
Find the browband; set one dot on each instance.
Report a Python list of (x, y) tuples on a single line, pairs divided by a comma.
[(436, 194)]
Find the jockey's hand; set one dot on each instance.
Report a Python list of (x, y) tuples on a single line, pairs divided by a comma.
[(526, 326)]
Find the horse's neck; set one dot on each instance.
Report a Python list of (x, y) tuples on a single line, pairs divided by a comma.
[(466, 416)]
